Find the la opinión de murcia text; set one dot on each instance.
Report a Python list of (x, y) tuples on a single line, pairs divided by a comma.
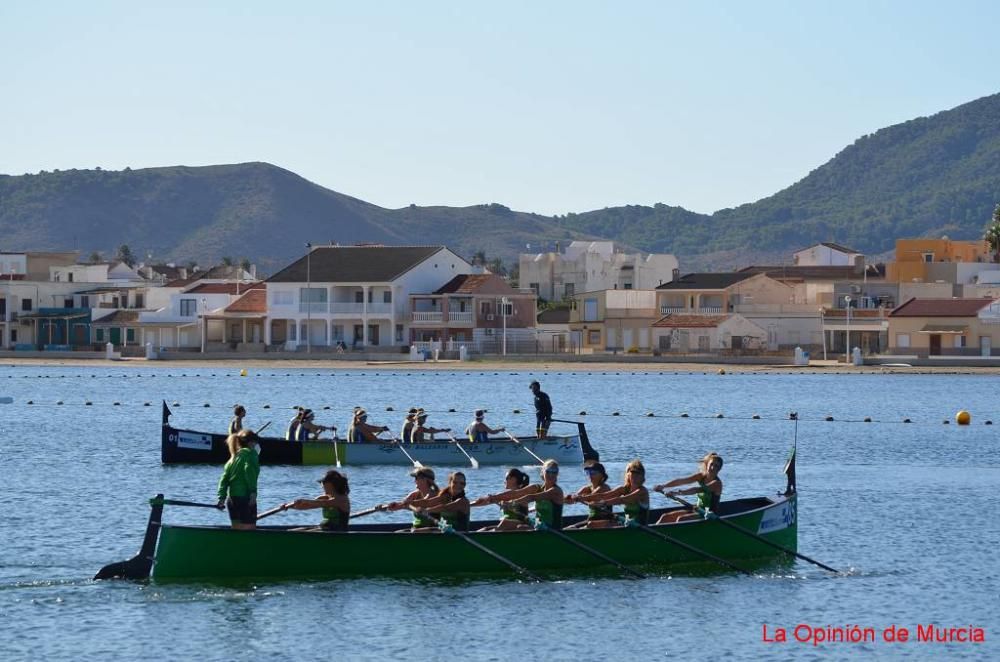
[(820, 635)]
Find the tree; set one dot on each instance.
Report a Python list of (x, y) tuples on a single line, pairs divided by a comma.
[(125, 255), (992, 235), (245, 264), (479, 258), (95, 257), (227, 261), (495, 266)]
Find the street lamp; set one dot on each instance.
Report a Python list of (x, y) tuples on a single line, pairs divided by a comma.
[(204, 323), (504, 302), (847, 354), (308, 297)]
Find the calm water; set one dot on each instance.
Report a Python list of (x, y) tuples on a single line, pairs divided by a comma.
[(910, 509)]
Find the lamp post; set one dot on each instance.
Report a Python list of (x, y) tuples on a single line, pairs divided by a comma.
[(204, 323), (503, 304), (308, 297), (847, 354)]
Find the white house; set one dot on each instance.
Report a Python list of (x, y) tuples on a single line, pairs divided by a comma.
[(826, 254), (357, 295), (684, 333), (590, 266)]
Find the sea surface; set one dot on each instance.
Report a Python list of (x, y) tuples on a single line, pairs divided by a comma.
[(909, 512)]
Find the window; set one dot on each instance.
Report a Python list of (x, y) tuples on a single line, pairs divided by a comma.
[(399, 333), (99, 335), (69, 276), (569, 289), (280, 298), (928, 257), (139, 300), (485, 308), (13, 335), (114, 302), (902, 340), (189, 307), (387, 296), (593, 337), (68, 302), (359, 296), (129, 335), (590, 310), (26, 305), (3, 307), (703, 343), (337, 332), (628, 285), (959, 341), (85, 301), (505, 310), (534, 288), (313, 295)]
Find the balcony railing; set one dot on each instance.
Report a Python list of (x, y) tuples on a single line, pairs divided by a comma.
[(432, 317), (354, 308), (459, 317), (315, 307), (666, 310)]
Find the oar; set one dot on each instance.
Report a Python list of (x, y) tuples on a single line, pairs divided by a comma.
[(474, 461), (175, 502), (692, 549), (274, 511), (336, 451), (593, 552), (711, 515), (489, 552), (263, 427), (524, 448), (369, 511), (409, 457)]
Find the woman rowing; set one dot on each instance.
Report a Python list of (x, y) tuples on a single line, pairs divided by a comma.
[(425, 489), (334, 501), (421, 429), (632, 494), (709, 489), (548, 497), (236, 424), (595, 490), (450, 505), (512, 517), (360, 431), (238, 483), (406, 432), (478, 430)]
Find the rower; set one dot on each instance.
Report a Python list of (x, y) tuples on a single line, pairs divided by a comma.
[(512, 517), (420, 429), (709, 490), (310, 430), (548, 497), (478, 430), (360, 431), (294, 432), (450, 504), (543, 410), (632, 494), (236, 424), (334, 501), (406, 433), (597, 488), (425, 487)]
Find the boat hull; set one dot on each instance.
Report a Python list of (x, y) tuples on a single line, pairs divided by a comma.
[(198, 553), (190, 447)]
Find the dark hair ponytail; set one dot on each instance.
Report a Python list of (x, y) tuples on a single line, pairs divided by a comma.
[(522, 478)]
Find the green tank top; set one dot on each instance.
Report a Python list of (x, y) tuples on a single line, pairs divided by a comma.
[(517, 513), (549, 513), (707, 500), (334, 519), (638, 512)]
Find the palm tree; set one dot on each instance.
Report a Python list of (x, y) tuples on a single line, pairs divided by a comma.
[(992, 235)]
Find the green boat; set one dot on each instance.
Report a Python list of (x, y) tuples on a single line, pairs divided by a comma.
[(746, 533)]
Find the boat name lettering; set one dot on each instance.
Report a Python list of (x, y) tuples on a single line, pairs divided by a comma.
[(777, 519), (201, 442)]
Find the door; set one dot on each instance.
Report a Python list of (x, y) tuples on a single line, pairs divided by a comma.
[(373, 334), (985, 346), (116, 335), (612, 338), (935, 345), (627, 339)]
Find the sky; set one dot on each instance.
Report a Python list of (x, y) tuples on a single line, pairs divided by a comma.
[(547, 107)]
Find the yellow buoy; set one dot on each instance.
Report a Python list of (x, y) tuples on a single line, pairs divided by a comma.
[(243, 372), (722, 371), (963, 417)]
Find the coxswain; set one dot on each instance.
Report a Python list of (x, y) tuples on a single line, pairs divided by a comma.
[(543, 410), (478, 430), (632, 494), (334, 501), (596, 488), (421, 429), (406, 433), (709, 490), (361, 431), (511, 517), (238, 483), (450, 505), (235, 425), (425, 488)]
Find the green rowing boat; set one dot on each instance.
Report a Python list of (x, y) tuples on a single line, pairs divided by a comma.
[(220, 554)]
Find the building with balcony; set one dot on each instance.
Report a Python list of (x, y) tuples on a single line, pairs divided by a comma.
[(356, 295), (613, 320), (592, 266), (939, 260), (476, 309), (928, 328)]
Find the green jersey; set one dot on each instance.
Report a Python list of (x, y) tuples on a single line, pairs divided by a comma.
[(239, 476)]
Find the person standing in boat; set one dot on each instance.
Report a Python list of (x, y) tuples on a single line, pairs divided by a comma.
[(548, 497), (543, 410), (360, 431), (709, 489), (632, 494), (334, 501), (421, 429), (236, 424), (450, 505), (425, 488), (478, 431), (512, 517), (238, 484), (406, 433), (595, 490)]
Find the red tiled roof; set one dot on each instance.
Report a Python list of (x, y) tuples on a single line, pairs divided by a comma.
[(941, 308), (254, 301), (224, 288), (476, 284), (680, 320)]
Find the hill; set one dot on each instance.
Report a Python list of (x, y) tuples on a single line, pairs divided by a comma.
[(928, 176)]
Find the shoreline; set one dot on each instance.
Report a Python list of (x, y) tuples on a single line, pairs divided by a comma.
[(814, 367)]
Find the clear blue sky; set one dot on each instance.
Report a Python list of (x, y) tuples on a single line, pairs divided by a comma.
[(543, 106)]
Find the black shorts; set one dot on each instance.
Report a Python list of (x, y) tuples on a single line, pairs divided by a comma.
[(241, 510), (542, 421)]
